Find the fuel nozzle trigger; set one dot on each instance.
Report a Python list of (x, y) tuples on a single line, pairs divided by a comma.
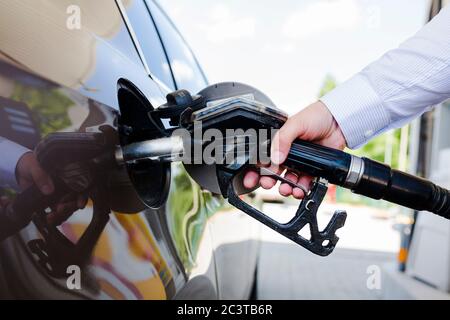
[(321, 243)]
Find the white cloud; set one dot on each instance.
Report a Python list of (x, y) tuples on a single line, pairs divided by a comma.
[(322, 16), (280, 48), (223, 25)]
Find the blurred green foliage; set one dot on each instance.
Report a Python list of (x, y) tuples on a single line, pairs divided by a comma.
[(375, 148), (50, 107), (329, 83)]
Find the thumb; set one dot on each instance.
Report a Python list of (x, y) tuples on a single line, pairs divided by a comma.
[(282, 141), (41, 179)]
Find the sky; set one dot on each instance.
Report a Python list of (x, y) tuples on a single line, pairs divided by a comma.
[(286, 48)]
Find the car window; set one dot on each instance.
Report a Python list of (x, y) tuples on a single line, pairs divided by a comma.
[(185, 68), (150, 42)]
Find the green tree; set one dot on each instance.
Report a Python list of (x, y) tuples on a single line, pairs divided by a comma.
[(328, 84)]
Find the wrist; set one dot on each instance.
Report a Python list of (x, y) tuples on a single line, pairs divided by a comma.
[(8, 165), (339, 135), (358, 110), (334, 131)]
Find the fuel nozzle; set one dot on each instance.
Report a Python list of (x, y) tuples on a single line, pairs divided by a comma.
[(230, 105)]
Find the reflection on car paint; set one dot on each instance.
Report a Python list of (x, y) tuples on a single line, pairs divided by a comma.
[(50, 108), (189, 210), (126, 261), (127, 238), (66, 81)]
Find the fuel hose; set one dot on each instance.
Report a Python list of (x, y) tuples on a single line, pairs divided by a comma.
[(368, 178)]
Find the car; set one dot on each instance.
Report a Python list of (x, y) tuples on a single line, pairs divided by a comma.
[(68, 70)]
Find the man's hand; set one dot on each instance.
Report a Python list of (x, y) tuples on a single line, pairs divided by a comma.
[(314, 123), (29, 172)]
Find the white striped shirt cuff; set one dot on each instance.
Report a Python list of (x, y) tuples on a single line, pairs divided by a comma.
[(11, 154), (358, 110)]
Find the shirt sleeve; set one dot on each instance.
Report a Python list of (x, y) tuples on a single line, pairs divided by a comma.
[(11, 154), (401, 85)]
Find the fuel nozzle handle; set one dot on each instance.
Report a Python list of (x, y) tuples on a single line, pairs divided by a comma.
[(368, 178)]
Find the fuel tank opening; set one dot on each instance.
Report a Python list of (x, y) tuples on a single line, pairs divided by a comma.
[(151, 179)]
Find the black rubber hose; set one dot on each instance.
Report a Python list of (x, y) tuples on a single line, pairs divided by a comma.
[(378, 181)]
